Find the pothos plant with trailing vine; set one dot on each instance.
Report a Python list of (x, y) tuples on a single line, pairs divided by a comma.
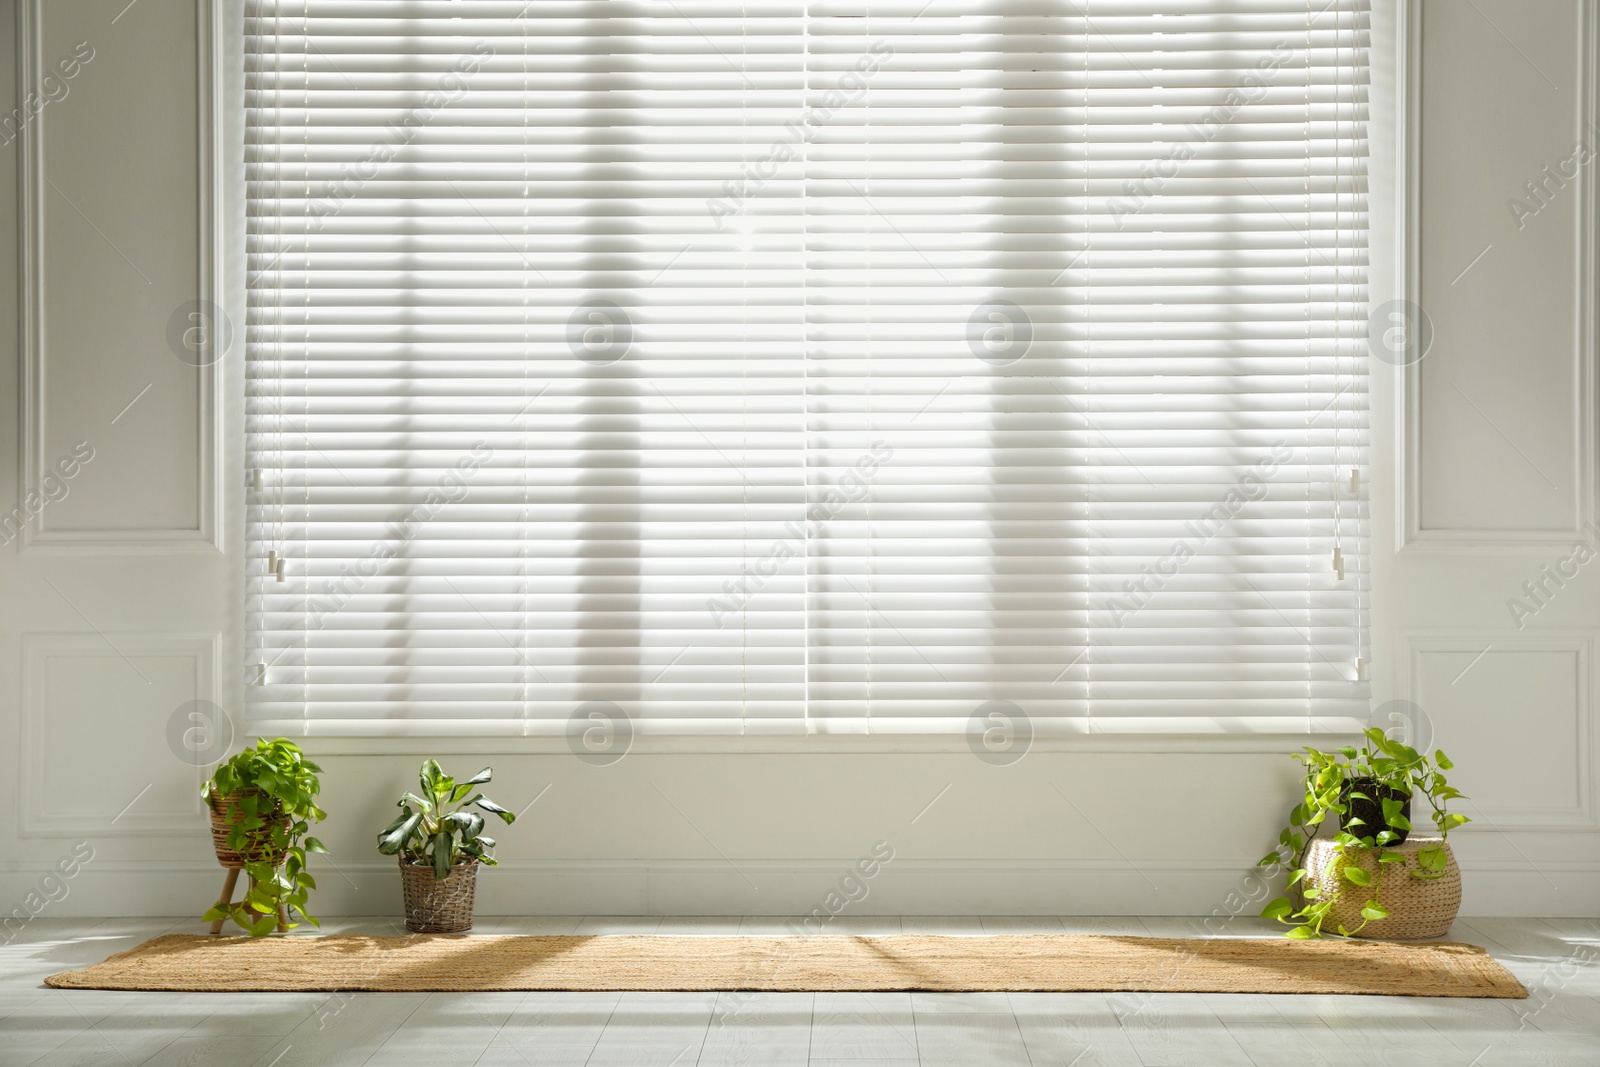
[(1389, 774), (270, 792)]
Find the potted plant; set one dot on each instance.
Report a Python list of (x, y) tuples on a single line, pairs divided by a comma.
[(1370, 789), (440, 843), (263, 802)]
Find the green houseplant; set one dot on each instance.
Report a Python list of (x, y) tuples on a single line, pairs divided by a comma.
[(440, 842), (263, 802), (1370, 789)]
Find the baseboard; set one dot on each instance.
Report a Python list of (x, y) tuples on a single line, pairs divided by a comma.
[(786, 887)]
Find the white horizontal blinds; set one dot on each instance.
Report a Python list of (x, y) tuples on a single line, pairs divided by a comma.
[(1224, 281), (939, 215), (1093, 277), (520, 347), (803, 365)]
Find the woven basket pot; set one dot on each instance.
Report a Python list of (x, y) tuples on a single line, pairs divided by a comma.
[(434, 907), (258, 846), (1418, 907)]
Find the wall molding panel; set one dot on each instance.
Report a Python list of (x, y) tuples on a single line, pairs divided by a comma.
[(1411, 475), (85, 768), (35, 297), (1469, 696)]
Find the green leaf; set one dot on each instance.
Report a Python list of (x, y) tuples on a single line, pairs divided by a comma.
[(1372, 911), (1301, 933), (479, 778), (1442, 760), (395, 840), (1294, 877), (488, 805), (1453, 820), (470, 823), (1433, 858), (1396, 751), (1357, 875), (1268, 860), (1279, 909)]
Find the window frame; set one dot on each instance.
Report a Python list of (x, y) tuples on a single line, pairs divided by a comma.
[(1391, 139)]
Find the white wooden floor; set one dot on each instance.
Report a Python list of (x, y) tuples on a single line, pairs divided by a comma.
[(1559, 1026)]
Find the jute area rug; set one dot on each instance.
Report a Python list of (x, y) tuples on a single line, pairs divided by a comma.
[(1039, 962)]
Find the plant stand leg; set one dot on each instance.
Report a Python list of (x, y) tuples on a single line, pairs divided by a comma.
[(283, 921), (228, 885)]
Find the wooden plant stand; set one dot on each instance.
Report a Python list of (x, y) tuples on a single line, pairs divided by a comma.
[(229, 884), (222, 817)]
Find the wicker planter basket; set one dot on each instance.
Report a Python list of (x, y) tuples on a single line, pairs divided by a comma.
[(258, 849), (1418, 907), (434, 907)]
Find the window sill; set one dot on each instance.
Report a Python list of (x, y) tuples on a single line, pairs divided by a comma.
[(1175, 736)]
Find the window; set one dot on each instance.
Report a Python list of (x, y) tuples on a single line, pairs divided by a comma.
[(788, 367)]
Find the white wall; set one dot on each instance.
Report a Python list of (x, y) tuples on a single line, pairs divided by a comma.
[(122, 606)]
